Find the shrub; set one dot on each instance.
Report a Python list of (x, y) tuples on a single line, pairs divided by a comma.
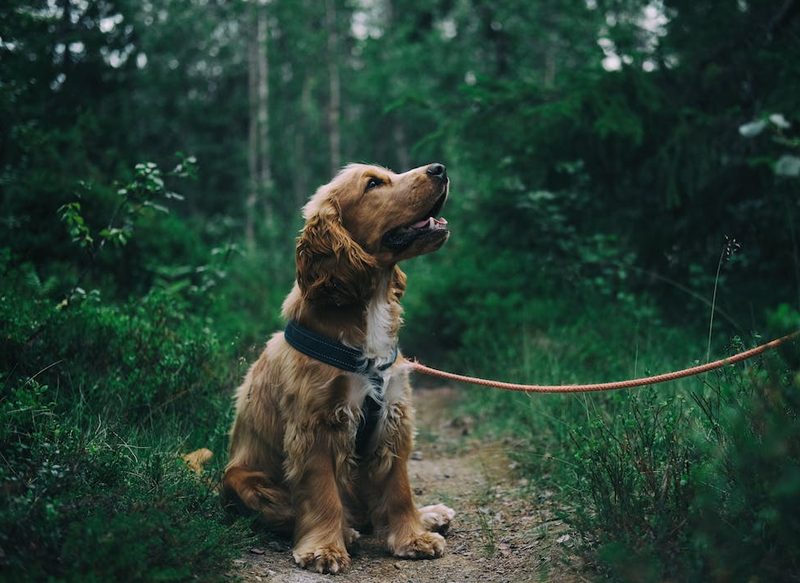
[(694, 481), (85, 498), (112, 364)]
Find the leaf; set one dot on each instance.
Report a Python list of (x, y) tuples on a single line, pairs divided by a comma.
[(780, 121), (116, 236), (788, 166), (752, 129), (157, 207), (76, 226)]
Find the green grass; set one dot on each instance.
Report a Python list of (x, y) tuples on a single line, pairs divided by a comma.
[(696, 480), (97, 401), (692, 480)]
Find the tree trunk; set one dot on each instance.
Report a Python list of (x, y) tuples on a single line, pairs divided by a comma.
[(550, 62), (401, 145), (264, 154), (300, 175), (258, 153), (335, 97), (252, 136), (398, 129)]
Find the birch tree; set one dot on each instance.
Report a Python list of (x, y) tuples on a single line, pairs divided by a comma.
[(335, 94), (259, 160)]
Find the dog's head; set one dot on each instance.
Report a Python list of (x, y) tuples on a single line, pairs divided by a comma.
[(365, 219)]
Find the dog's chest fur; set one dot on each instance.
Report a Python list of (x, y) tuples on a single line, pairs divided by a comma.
[(381, 328), (380, 339)]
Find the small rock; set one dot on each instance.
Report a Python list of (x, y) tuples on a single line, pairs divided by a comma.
[(270, 573), (562, 539), (398, 565), (257, 551), (416, 455), (446, 475)]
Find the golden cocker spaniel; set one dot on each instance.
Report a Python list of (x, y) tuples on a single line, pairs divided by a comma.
[(324, 421)]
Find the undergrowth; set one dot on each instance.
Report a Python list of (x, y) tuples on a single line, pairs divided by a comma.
[(119, 354), (695, 480), (104, 384)]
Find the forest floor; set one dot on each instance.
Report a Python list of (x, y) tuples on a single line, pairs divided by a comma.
[(504, 530)]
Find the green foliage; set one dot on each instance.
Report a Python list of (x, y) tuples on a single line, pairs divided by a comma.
[(601, 153), (694, 480), (98, 400), (143, 193), (89, 500), (741, 519), (79, 233)]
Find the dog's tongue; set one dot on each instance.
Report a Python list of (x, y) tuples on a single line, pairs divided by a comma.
[(429, 222)]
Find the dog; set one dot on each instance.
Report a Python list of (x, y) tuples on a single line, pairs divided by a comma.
[(324, 422)]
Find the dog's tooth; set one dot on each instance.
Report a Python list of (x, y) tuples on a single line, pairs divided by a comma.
[(431, 222)]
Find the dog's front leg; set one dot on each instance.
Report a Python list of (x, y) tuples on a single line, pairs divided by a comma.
[(314, 455), (392, 503)]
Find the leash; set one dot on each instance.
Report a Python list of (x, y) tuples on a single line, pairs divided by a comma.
[(613, 386)]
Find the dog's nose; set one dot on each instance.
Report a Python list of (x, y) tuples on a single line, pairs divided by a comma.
[(437, 171)]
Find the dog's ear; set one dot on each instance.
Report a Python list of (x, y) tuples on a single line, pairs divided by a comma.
[(331, 266)]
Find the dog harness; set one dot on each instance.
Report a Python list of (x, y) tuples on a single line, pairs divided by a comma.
[(349, 359)]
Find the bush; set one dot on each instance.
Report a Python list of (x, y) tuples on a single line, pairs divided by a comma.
[(97, 401), (115, 359), (743, 517), (694, 481), (91, 500)]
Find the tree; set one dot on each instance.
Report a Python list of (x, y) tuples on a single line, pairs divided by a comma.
[(334, 87), (259, 158)]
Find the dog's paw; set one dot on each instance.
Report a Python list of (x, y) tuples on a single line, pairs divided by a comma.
[(329, 559), (436, 518), (351, 536), (423, 545)]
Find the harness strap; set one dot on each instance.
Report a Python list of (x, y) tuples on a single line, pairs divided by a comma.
[(349, 359)]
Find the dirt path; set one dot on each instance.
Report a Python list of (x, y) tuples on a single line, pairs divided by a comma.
[(502, 531)]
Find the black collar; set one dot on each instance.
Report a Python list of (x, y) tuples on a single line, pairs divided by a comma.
[(343, 357), (332, 352)]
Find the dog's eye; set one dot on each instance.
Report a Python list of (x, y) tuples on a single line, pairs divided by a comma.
[(373, 183)]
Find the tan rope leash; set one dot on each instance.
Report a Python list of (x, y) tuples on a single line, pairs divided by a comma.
[(652, 380)]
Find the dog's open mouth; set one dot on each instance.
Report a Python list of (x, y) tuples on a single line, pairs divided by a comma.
[(427, 226)]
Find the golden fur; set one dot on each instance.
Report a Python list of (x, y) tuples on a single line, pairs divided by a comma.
[(292, 457)]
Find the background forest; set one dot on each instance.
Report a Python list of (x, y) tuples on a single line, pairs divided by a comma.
[(625, 199)]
